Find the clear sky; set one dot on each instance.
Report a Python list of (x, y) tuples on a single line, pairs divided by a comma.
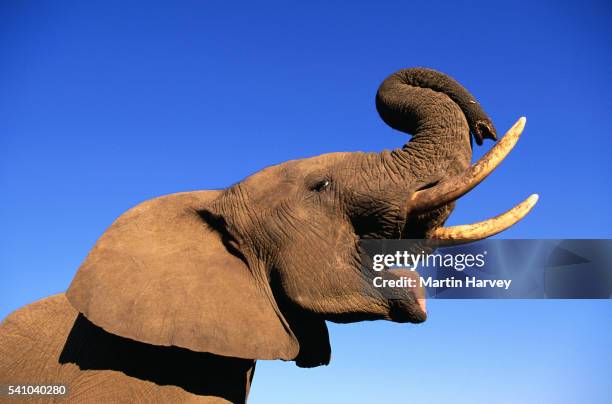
[(105, 104)]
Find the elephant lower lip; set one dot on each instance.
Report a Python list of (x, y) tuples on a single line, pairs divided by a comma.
[(407, 311), (411, 306)]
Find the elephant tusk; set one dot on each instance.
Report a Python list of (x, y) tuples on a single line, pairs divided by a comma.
[(486, 228), (453, 188)]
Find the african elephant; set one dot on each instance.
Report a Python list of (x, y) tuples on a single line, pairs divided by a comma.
[(183, 293)]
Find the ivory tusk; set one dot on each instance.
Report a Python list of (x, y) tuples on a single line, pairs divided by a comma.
[(459, 185), (487, 228)]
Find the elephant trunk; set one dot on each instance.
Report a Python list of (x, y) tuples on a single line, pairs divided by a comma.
[(439, 113)]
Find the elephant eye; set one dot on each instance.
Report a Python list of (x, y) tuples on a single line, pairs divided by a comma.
[(320, 186)]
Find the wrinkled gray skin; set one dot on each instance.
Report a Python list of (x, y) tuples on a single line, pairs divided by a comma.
[(188, 286)]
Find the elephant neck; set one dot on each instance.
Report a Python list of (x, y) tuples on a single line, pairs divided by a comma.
[(202, 374)]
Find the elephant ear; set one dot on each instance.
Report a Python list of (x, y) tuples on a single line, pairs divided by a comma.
[(162, 275)]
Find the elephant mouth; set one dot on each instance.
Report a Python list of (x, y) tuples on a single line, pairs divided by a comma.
[(442, 193), (405, 311), (411, 308)]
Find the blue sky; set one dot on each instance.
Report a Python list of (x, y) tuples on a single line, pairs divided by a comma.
[(106, 104)]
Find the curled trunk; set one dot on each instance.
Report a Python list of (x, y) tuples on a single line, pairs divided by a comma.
[(439, 113)]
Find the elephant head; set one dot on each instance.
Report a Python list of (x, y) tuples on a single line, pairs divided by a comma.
[(253, 271)]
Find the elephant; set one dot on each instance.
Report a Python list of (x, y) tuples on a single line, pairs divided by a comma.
[(183, 293)]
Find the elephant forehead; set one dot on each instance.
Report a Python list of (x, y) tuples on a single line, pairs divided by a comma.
[(318, 162), (281, 178), (268, 184)]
